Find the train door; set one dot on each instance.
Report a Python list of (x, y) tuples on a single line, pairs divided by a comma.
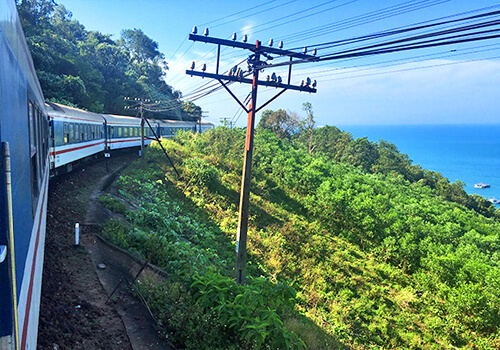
[(106, 135), (52, 144)]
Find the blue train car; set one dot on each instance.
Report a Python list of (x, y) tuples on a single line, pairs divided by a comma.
[(23, 185)]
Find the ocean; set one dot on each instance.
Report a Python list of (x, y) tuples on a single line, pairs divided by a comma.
[(469, 153)]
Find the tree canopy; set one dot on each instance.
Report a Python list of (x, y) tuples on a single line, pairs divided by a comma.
[(284, 124), (91, 70)]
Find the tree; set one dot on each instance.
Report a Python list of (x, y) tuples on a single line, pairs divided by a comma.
[(361, 152), (284, 124), (141, 47), (191, 111), (89, 70), (309, 124), (35, 14)]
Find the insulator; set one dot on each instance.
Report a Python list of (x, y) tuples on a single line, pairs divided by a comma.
[(238, 71), (192, 65), (279, 80), (195, 30), (205, 32), (234, 36), (245, 38), (302, 83), (314, 83), (273, 77), (204, 67), (308, 81), (270, 42), (314, 51), (280, 44), (230, 73), (240, 75), (235, 68), (268, 78), (304, 50)]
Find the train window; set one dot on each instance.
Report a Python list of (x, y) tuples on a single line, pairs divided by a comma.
[(131, 131), (33, 151), (101, 130), (120, 131), (125, 132), (66, 132), (51, 131), (136, 133), (42, 140), (45, 138), (71, 133)]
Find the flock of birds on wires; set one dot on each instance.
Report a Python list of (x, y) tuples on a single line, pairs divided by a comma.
[(465, 27)]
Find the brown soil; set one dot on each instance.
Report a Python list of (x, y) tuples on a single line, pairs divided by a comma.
[(75, 312)]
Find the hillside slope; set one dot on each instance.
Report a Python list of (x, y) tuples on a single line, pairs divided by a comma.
[(377, 259)]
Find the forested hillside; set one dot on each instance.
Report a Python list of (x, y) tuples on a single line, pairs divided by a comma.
[(92, 70), (374, 250), (350, 244)]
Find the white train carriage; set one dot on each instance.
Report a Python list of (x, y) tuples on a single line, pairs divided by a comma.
[(75, 134), (206, 126), (169, 128), (123, 132)]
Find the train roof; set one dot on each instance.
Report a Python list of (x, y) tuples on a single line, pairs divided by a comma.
[(174, 123), (208, 124), (122, 120), (71, 114)]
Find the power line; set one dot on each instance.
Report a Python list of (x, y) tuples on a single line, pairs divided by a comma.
[(415, 68)]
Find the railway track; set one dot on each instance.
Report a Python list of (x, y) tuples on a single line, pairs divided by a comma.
[(74, 313)]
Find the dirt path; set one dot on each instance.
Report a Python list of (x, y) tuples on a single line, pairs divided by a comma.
[(74, 313)]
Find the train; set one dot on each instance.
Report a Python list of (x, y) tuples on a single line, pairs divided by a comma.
[(40, 140), (76, 135)]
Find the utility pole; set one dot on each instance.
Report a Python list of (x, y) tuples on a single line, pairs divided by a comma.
[(226, 122), (142, 133), (144, 121), (255, 65)]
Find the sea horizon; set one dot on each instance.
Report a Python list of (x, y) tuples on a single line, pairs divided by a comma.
[(465, 152)]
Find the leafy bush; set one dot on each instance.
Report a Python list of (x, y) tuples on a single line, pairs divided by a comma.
[(377, 259), (113, 204)]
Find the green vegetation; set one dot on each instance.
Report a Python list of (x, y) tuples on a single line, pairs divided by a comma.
[(90, 70), (113, 204), (350, 244), (375, 251)]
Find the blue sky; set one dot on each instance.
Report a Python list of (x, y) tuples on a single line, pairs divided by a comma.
[(460, 86)]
